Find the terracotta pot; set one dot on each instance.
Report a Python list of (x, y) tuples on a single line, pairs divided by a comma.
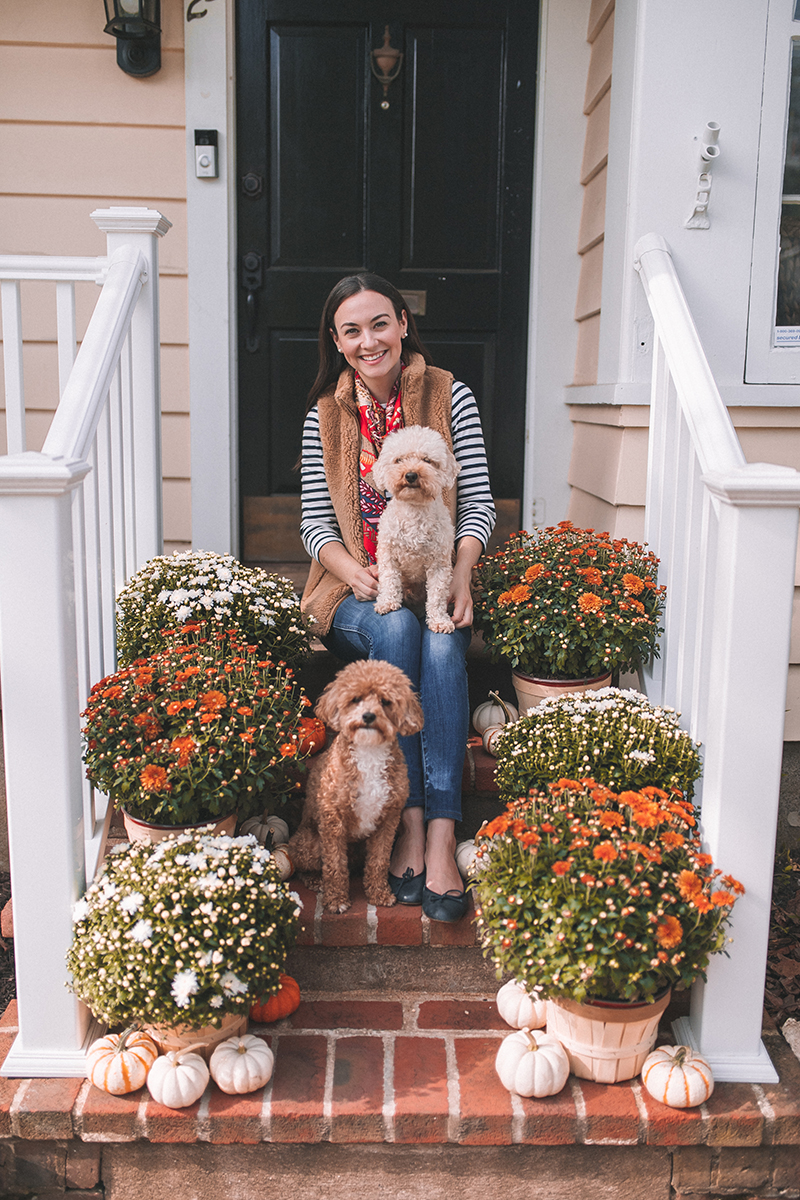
[(144, 831), (605, 1040), (178, 1037), (532, 690)]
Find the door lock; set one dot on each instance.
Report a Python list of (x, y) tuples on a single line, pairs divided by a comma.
[(252, 282)]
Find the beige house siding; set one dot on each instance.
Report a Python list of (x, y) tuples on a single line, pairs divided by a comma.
[(77, 133), (593, 178), (608, 477)]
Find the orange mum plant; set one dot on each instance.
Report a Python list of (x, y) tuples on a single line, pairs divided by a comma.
[(202, 729), (568, 603), (597, 895)]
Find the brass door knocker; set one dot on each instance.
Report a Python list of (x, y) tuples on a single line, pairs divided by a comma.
[(386, 63)]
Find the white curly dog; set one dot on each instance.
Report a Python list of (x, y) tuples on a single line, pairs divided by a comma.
[(415, 532)]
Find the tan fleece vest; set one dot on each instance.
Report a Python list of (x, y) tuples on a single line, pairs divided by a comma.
[(427, 400)]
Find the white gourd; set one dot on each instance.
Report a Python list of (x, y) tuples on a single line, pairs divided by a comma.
[(532, 1064), (242, 1064), (283, 862), (493, 712), (179, 1078), (491, 739), (518, 1009), (466, 858), (119, 1063), (261, 828), (677, 1077)]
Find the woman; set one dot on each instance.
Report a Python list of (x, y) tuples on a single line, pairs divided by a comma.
[(376, 376)]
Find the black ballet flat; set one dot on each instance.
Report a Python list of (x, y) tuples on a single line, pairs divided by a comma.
[(444, 906), (408, 887)]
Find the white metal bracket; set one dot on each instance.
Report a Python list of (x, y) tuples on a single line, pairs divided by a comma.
[(709, 153)]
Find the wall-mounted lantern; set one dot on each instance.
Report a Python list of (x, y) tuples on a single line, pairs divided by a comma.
[(136, 24)]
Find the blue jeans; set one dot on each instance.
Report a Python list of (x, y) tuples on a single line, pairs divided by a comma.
[(435, 664)]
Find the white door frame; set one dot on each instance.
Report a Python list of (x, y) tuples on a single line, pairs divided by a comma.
[(211, 218)]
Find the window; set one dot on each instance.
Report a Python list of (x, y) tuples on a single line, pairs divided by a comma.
[(773, 343)]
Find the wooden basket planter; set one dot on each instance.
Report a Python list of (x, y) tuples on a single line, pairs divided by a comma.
[(606, 1042)]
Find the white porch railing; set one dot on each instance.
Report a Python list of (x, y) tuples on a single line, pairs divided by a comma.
[(76, 519), (726, 534)]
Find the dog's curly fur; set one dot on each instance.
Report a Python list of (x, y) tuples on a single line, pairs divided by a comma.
[(415, 532), (358, 787)]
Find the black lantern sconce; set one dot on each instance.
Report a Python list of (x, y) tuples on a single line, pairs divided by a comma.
[(136, 24)]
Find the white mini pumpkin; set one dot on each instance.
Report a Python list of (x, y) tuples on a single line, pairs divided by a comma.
[(466, 858), (532, 1064), (261, 828), (518, 1009), (283, 862), (179, 1078), (491, 739), (677, 1076), (493, 712), (242, 1064), (119, 1063)]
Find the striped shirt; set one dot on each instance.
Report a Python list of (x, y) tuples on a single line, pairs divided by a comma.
[(475, 513)]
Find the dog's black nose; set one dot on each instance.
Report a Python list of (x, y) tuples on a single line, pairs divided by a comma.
[(368, 717), (411, 476)]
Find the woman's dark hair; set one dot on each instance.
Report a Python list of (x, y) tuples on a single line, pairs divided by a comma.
[(330, 360)]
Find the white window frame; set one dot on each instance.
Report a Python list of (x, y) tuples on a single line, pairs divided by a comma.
[(765, 362)]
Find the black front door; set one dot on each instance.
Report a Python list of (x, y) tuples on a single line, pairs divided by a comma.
[(427, 181)]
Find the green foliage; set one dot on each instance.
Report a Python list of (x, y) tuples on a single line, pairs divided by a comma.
[(568, 603), (182, 932), (617, 737), (198, 585)]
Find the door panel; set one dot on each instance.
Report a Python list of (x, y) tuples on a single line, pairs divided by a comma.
[(432, 192), (317, 177), (451, 215)]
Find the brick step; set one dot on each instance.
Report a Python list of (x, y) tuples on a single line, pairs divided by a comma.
[(356, 1077)]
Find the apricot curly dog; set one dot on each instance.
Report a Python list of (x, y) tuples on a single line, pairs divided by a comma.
[(358, 787), (415, 532)]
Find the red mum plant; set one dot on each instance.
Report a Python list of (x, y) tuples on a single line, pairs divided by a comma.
[(597, 895), (202, 729), (569, 603)]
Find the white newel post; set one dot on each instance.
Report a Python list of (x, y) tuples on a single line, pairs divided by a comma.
[(141, 228), (38, 654), (758, 521)]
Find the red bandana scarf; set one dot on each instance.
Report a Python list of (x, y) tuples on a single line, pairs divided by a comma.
[(375, 422)]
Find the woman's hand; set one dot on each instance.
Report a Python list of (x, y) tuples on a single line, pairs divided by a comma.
[(468, 553), (363, 580)]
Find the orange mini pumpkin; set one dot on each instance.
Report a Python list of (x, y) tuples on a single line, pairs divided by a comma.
[(312, 734), (284, 1002)]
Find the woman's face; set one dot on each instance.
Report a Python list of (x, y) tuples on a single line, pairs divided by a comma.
[(369, 335)]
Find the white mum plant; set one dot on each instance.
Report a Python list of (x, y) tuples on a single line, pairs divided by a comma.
[(197, 585), (616, 737), (182, 932)]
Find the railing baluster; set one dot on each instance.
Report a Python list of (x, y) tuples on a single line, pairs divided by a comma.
[(12, 366), (67, 334), (106, 529), (117, 480), (129, 460), (94, 597)]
